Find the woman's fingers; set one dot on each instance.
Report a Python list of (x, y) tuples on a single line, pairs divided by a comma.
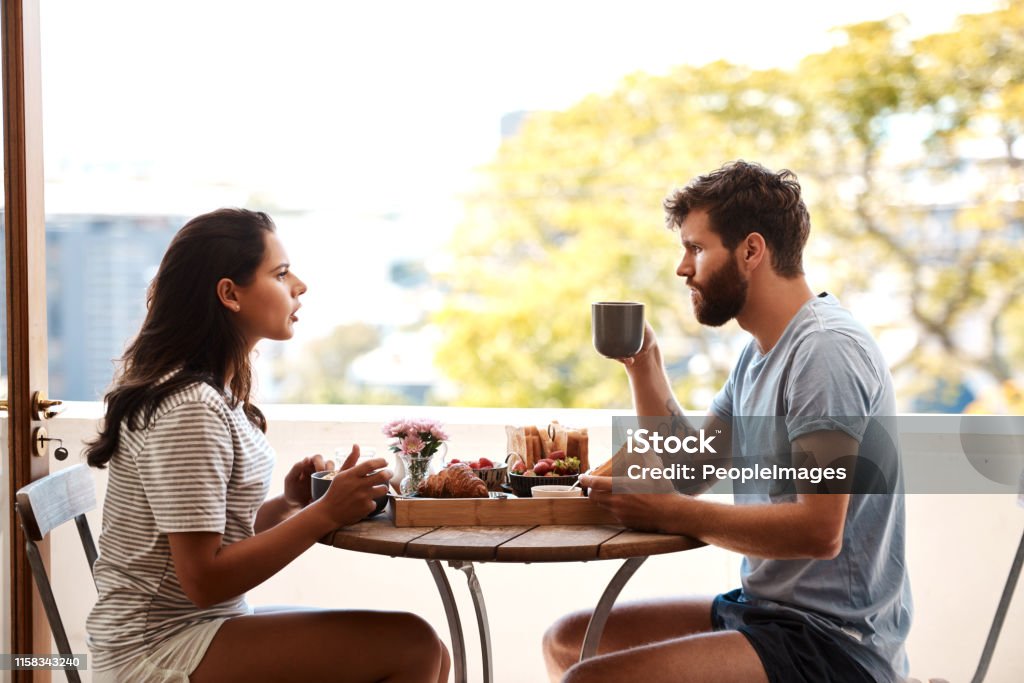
[(379, 477), (367, 466), (352, 459)]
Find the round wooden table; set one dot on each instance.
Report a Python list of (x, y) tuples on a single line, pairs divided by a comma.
[(461, 546)]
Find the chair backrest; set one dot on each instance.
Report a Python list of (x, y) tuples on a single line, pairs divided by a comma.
[(1004, 601), (42, 506)]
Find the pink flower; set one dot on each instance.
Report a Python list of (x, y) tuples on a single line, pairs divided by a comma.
[(397, 428), (415, 436), (412, 444)]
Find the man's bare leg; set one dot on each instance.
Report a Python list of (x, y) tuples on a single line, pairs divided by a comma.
[(629, 625), (716, 657)]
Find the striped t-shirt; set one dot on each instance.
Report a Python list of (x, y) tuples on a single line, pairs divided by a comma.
[(199, 466)]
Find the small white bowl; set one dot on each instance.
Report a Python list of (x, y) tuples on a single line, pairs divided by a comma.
[(555, 491)]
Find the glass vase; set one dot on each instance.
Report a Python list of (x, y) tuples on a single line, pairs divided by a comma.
[(418, 468)]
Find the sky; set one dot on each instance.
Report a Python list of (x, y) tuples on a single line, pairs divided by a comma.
[(358, 112), (370, 104)]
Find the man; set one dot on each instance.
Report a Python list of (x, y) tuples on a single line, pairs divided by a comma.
[(825, 595)]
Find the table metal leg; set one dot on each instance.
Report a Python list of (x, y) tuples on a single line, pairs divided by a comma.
[(481, 616), (454, 623), (604, 606)]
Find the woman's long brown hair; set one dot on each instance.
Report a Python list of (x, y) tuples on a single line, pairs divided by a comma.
[(187, 329)]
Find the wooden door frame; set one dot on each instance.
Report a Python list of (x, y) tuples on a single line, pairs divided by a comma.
[(25, 234)]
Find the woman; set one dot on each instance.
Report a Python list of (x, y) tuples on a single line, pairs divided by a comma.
[(187, 529)]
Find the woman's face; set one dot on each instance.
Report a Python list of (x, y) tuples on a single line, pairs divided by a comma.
[(266, 307)]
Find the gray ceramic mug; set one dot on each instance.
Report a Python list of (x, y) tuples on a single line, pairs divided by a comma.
[(618, 328)]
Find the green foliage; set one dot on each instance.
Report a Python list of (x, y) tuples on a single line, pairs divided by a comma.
[(320, 375), (570, 211)]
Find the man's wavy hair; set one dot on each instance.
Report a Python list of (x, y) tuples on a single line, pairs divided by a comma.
[(743, 197), (187, 333)]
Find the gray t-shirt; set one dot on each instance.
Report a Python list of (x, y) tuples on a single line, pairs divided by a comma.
[(827, 373), (199, 466)]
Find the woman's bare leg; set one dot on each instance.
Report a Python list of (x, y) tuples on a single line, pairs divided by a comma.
[(629, 625), (314, 645)]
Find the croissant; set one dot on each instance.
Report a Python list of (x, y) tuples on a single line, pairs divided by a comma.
[(454, 481)]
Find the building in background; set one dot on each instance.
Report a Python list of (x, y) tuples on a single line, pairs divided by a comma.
[(97, 270)]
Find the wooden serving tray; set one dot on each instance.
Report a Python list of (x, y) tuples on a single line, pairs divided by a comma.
[(496, 511)]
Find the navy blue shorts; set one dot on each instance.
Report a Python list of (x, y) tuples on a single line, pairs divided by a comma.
[(793, 648)]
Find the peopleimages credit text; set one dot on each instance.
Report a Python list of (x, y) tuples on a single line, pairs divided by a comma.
[(642, 441)]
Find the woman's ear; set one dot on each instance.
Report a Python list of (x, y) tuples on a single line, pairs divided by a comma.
[(227, 292)]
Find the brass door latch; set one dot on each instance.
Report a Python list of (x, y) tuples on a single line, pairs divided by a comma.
[(44, 408)]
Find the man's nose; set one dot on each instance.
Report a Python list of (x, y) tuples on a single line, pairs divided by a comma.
[(685, 268)]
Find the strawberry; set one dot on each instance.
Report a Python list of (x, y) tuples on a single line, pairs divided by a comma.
[(486, 462), (542, 467), (557, 455), (454, 461)]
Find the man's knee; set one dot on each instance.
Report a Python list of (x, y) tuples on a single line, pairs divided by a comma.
[(565, 636), (589, 671)]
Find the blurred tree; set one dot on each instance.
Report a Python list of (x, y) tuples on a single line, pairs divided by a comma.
[(972, 85), (1003, 399), (320, 375), (906, 134), (571, 215), (878, 129)]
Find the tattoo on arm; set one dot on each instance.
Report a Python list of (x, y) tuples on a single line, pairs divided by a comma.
[(678, 425), (672, 406)]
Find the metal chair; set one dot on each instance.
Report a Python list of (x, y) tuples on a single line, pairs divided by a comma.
[(1000, 617), (42, 506)]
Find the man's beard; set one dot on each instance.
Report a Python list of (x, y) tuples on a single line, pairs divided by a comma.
[(722, 297)]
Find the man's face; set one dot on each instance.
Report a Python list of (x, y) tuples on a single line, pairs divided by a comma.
[(718, 290)]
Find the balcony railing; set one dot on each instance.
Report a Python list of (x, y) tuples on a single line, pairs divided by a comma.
[(959, 549)]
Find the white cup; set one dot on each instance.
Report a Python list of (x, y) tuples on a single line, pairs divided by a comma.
[(555, 491)]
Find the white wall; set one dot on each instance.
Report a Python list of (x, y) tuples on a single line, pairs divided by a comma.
[(959, 552)]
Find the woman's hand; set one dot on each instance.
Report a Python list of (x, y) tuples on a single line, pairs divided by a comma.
[(297, 489), (350, 497)]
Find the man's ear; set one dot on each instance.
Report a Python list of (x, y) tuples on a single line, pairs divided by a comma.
[(227, 292), (753, 250)]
